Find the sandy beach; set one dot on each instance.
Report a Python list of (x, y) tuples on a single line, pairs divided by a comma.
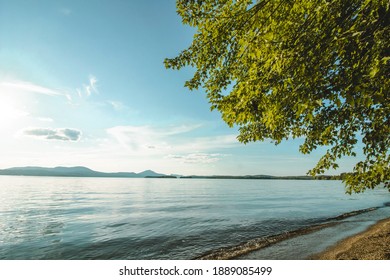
[(372, 244)]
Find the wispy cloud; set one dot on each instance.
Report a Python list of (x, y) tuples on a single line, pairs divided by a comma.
[(91, 87), (31, 87), (116, 105), (138, 138), (195, 158), (171, 141), (212, 142), (63, 134), (142, 135), (43, 119), (86, 90), (71, 95)]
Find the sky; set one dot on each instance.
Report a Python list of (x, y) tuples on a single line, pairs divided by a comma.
[(82, 83)]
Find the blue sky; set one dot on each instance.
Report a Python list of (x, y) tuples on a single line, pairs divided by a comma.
[(83, 83)]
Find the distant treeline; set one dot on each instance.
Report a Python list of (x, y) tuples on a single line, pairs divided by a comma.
[(261, 177), (163, 177)]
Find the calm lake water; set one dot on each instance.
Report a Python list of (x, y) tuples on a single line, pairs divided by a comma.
[(106, 218)]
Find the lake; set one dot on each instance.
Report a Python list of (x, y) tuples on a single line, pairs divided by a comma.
[(118, 218)]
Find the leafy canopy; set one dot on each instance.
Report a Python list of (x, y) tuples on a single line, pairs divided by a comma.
[(316, 69)]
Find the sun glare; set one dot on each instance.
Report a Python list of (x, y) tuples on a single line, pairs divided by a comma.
[(10, 112)]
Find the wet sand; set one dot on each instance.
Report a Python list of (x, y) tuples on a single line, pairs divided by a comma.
[(372, 244)]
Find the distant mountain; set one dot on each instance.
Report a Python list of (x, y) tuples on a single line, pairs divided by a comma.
[(150, 173), (81, 171), (77, 171)]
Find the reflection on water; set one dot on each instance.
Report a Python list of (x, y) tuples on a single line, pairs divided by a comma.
[(106, 218)]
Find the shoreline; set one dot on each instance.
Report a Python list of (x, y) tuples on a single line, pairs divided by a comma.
[(257, 244), (371, 244), (307, 237)]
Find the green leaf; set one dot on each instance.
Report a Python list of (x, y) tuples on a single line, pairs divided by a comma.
[(312, 68)]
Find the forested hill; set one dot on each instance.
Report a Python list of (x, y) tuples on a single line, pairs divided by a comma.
[(77, 171)]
